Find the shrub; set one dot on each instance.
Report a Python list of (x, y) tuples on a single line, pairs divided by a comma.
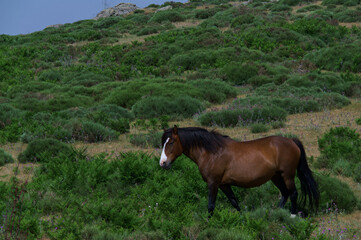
[(41, 150), (239, 74), (231, 118), (205, 13), (85, 78), (157, 106), (280, 8), (278, 124), (92, 132), (358, 121), (144, 140), (8, 114), (52, 76), (259, 128), (334, 192), (340, 150), (216, 91), (339, 58), (170, 15), (291, 105), (5, 158), (242, 19)]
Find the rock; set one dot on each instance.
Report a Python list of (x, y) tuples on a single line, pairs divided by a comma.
[(55, 26), (118, 10), (169, 7)]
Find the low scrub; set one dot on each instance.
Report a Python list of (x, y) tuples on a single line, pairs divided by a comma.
[(152, 107), (133, 196), (242, 117), (259, 128), (336, 195), (5, 158), (151, 139), (170, 15), (340, 150), (41, 150), (91, 132)]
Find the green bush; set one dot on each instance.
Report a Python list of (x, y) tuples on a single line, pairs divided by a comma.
[(8, 114), (157, 106), (144, 140), (280, 8), (340, 150), (216, 91), (335, 194), (339, 58), (358, 121), (85, 78), (242, 19), (5, 158), (238, 74), (291, 105), (205, 13), (91, 132), (170, 15), (41, 150), (259, 128), (242, 117)]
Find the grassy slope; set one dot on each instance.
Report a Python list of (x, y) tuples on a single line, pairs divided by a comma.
[(308, 126)]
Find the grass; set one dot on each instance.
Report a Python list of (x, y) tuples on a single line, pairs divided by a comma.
[(309, 127), (295, 124)]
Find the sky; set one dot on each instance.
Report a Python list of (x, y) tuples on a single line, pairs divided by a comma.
[(27, 16)]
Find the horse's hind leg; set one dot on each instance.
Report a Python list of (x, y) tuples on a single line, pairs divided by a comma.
[(281, 185), (291, 187), (230, 195)]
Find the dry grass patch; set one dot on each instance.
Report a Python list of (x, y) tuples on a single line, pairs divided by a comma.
[(188, 23), (295, 8), (350, 25), (129, 38), (206, 7), (23, 172)]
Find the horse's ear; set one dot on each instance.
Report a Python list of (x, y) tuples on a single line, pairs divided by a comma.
[(175, 130)]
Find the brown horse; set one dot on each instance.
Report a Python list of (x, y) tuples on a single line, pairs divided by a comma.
[(224, 162)]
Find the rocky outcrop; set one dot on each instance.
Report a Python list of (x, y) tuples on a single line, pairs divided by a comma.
[(118, 10), (55, 26), (169, 7)]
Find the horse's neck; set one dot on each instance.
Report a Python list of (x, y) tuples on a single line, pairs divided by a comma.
[(195, 154)]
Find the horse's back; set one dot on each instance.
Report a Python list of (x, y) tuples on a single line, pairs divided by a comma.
[(253, 163)]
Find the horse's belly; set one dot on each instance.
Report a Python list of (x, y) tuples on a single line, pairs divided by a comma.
[(253, 176)]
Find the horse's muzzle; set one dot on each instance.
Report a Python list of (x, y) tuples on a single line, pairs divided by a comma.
[(166, 166)]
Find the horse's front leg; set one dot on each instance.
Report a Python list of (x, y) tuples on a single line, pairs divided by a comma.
[(230, 195), (212, 195)]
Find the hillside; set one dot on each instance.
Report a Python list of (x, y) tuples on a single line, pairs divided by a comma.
[(104, 89)]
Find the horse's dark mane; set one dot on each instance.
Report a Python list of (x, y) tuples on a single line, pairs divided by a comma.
[(194, 137)]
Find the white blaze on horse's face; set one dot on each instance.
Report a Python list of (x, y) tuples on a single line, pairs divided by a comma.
[(163, 157)]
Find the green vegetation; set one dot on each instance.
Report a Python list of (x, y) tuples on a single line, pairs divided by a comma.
[(259, 128), (94, 80), (340, 151), (131, 196), (5, 158), (42, 150)]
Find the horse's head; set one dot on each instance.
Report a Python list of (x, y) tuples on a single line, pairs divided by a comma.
[(172, 148)]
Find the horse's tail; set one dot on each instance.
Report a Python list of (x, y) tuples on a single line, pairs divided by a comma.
[(308, 184)]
